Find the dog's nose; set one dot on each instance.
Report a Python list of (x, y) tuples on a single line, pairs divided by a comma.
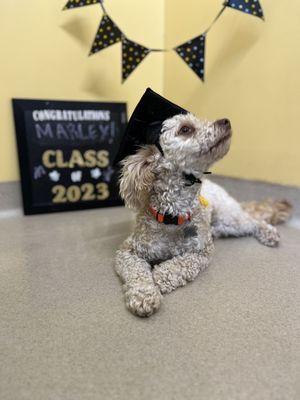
[(223, 122)]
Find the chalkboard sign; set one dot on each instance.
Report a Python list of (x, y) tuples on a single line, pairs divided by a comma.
[(64, 153)]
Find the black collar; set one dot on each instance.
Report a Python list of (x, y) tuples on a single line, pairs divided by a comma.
[(169, 219)]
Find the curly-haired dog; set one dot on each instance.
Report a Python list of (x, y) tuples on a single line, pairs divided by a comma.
[(158, 258)]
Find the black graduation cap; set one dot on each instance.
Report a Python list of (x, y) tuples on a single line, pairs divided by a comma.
[(144, 126)]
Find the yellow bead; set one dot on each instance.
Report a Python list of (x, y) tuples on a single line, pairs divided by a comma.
[(203, 201)]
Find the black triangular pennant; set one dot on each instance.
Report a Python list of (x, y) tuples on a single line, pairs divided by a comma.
[(193, 53), (107, 34), (251, 7), (80, 3), (132, 55)]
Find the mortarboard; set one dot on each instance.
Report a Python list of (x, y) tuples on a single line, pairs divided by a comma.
[(144, 126)]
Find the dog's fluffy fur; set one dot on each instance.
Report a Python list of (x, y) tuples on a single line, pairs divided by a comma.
[(157, 258)]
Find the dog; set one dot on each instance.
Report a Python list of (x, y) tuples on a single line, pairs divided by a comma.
[(157, 257)]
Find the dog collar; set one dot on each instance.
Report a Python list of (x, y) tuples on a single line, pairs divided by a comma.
[(169, 219)]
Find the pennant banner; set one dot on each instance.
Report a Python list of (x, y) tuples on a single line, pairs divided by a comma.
[(132, 55), (107, 34), (193, 53), (252, 7), (80, 3)]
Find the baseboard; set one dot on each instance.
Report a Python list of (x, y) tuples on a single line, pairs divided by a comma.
[(10, 196)]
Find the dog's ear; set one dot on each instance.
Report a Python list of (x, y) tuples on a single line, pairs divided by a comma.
[(137, 176)]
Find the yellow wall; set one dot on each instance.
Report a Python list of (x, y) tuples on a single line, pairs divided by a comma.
[(252, 77), (44, 55), (252, 71)]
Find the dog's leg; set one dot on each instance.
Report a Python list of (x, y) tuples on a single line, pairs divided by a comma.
[(178, 271), (142, 297), (229, 219)]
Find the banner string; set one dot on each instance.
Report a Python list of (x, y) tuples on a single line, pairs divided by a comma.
[(192, 52), (216, 18), (159, 50), (101, 3)]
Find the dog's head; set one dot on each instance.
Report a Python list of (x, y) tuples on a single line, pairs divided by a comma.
[(189, 145)]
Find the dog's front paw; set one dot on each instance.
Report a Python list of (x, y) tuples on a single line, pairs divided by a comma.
[(267, 235), (143, 299)]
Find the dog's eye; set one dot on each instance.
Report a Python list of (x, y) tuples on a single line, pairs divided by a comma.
[(186, 130)]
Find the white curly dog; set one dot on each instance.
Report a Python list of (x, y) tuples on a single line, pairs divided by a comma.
[(157, 258)]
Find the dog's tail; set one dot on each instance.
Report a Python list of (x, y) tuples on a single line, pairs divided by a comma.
[(273, 212)]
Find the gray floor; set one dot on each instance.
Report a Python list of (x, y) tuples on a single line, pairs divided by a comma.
[(65, 334)]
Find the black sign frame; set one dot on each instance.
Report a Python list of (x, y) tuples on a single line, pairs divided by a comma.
[(24, 145)]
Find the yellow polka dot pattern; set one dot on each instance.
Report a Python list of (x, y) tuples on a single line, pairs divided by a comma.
[(132, 55), (107, 34), (80, 3), (193, 54), (251, 7)]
